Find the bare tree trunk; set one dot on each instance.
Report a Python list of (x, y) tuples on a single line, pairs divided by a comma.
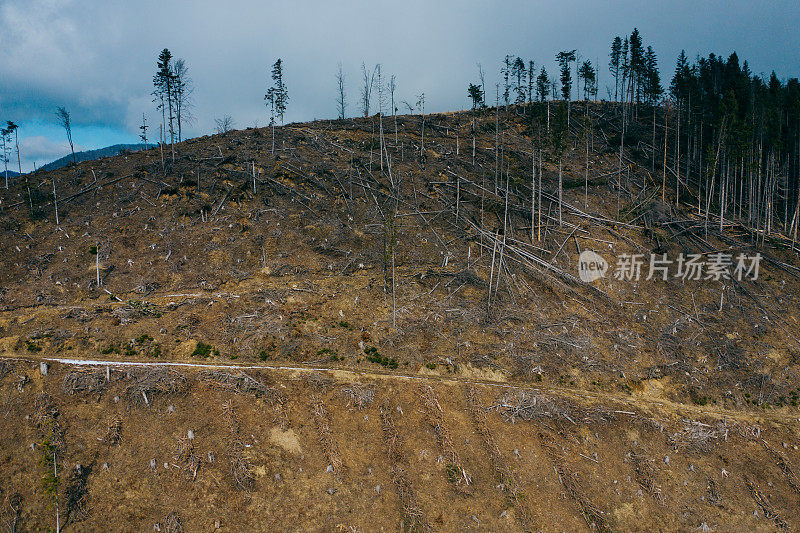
[(533, 192), (55, 200), (55, 473), (586, 174), (539, 200), (560, 190), (664, 170)]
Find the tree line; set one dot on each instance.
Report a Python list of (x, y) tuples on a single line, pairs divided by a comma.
[(736, 138)]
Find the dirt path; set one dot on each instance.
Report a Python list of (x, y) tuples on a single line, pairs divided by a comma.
[(627, 403)]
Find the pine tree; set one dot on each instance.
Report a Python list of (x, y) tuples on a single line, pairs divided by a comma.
[(636, 65), (506, 72), (531, 80), (476, 95), (281, 94), (519, 73), (143, 129), (163, 81), (587, 74), (564, 59), (5, 136), (543, 85), (614, 64), (653, 88)]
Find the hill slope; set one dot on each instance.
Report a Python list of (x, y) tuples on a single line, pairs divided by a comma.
[(91, 155), (418, 350)]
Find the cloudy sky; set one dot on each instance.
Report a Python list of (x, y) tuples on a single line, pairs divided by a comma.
[(97, 58)]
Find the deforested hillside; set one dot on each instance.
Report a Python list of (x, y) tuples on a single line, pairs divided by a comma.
[(504, 319)]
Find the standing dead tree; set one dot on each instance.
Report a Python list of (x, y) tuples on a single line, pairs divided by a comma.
[(368, 77), (341, 102)]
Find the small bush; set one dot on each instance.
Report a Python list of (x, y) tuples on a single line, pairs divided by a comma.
[(374, 357), (204, 350), (32, 346), (143, 338)]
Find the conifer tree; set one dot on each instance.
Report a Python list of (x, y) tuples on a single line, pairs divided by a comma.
[(163, 81), (543, 85), (280, 92), (614, 64), (519, 73), (564, 59)]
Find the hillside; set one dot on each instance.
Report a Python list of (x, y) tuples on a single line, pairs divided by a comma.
[(367, 343), (91, 155)]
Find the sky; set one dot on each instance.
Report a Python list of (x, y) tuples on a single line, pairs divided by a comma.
[(97, 58)]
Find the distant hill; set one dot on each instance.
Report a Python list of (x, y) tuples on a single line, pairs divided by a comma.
[(90, 155), (11, 174)]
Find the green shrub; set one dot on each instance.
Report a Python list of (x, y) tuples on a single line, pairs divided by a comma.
[(374, 357), (204, 350), (32, 346)]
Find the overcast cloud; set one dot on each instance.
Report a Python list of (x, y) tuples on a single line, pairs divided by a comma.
[(98, 58)]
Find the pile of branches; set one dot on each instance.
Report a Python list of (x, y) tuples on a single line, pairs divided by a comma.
[(88, 381), (45, 417), (503, 473), (114, 432), (316, 380), (326, 436), (186, 458), (528, 405), (153, 382), (241, 469), (358, 395), (456, 473), (644, 474), (408, 500), (239, 383), (5, 368), (696, 435)]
